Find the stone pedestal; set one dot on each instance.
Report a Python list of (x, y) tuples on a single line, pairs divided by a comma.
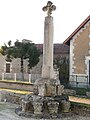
[(49, 87)]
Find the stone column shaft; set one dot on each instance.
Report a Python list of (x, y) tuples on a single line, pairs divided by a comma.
[(47, 69)]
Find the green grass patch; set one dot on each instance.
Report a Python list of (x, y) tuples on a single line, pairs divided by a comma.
[(80, 91)]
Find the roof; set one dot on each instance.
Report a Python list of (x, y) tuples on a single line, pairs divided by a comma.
[(58, 48), (26, 41), (67, 41)]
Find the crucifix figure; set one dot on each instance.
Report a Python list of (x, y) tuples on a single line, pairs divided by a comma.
[(49, 8)]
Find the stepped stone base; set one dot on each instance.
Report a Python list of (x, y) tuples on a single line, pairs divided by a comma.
[(39, 105)]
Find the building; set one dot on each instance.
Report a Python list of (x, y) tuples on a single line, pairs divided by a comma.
[(60, 50), (10, 69), (79, 42)]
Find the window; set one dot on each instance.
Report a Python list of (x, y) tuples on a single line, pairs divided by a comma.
[(7, 67)]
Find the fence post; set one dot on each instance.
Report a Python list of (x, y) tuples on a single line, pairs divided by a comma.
[(87, 81), (15, 77), (2, 76), (76, 81), (29, 78)]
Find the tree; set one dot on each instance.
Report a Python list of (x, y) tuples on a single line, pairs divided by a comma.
[(62, 64), (23, 51)]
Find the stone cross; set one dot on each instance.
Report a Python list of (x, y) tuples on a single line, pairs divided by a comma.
[(48, 85), (49, 8), (47, 68)]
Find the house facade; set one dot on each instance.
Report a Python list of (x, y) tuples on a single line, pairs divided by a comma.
[(79, 42)]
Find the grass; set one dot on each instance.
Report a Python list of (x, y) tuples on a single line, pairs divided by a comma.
[(80, 91)]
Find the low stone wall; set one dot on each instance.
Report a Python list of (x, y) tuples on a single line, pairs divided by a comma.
[(16, 85), (10, 97)]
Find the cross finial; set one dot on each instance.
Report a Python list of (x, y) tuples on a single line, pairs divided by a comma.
[(49, 8)]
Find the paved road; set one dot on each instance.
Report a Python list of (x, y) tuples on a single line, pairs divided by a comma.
[(7, 112)]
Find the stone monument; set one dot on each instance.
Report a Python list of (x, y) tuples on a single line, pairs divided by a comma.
[(48, 95), (47, 85)]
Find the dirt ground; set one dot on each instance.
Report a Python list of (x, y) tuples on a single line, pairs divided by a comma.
[(79, 100), (7, 112)]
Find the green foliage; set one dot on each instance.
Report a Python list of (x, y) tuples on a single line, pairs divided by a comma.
[(80, 91), (23, 51), (62, 64), (33, 57), (3, 49)]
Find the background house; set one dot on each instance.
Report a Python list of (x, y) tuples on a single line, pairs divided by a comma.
[(12, 69), (79, 42)]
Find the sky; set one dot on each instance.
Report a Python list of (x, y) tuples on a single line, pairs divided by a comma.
[(24, 19)]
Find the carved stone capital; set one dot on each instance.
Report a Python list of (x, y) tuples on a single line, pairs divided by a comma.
[(49, 8)]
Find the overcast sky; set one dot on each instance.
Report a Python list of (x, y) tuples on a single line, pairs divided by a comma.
[(24, 19)]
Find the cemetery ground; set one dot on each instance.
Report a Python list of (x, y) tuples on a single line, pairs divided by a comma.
[(7, 109)]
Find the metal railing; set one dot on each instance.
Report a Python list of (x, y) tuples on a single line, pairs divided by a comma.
[(18, 77)]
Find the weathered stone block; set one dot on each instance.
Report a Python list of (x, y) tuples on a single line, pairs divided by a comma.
[(27, 106), (37, 107), (69, 92), (59, 89), (50, 90), (65, 106), (47, 90), (53, 107), (42, 90)]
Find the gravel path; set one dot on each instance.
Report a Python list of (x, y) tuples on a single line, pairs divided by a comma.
[(7, 112)]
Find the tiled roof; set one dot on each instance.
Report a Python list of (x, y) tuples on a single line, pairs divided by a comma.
[(58, 48), (67, 41)]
